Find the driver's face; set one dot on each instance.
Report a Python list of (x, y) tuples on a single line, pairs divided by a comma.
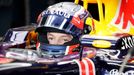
[(58, 38)]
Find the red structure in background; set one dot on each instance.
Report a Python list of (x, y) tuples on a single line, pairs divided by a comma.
[(126, 12)]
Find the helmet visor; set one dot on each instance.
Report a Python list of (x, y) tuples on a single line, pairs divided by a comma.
[(61, 23)]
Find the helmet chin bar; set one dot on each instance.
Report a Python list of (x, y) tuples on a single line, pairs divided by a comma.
[(52, 51)]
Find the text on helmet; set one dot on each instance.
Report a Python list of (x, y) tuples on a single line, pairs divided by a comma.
[(57, 12)]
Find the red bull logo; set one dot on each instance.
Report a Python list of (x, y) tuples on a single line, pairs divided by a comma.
[(125, 14), (117, 16)]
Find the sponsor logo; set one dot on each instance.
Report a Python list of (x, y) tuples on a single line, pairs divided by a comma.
[(127, 42), (116, 72), (101, 43), (106, 54), (57, 12), (126, 15)]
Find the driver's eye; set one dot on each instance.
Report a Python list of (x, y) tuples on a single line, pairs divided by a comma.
[(50, 38), (66, 40)]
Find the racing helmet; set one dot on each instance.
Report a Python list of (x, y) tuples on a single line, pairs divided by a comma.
[(63, 17)]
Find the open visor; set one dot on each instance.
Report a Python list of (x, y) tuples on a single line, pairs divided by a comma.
[(59, 22)]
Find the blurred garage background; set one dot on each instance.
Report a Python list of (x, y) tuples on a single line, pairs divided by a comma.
[(15, 13)]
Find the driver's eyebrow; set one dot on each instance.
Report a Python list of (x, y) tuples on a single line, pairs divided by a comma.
[(66, 36), (50, 34)]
